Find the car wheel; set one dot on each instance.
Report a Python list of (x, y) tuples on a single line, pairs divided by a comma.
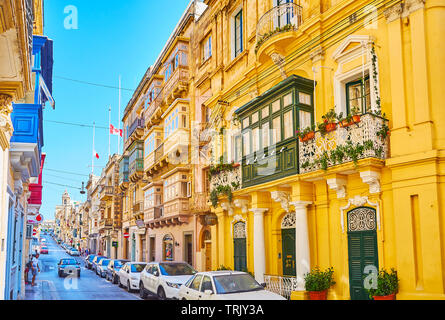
[(142, 293), (129, 286), (60, 274), (115, 279), (120, 283), (161, 293), (78, 274)]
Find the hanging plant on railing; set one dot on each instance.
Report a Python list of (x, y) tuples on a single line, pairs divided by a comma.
[(329, 122), (306, 134), (286, 28)]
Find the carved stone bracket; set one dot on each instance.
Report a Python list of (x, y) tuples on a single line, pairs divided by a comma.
[(339, 185), (243, 204), (6, 127), (373, 179), (279, 61), (402, 10), (394, 12), (317, 55), (282, 197), (228, 207)]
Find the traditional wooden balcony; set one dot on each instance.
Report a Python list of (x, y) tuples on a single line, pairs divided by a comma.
[(124, 171), (135, 131), (106, 224), (202, 132), (106, 193), (156, 161), (360, 140), (153, 114), (138, 208), (177, 84), (199, 203), (277, 27), (171, 213), (136, 161)]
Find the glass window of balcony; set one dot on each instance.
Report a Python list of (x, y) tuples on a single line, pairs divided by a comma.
[(171, 124), (358, 96), (149, 198), (150, 144)]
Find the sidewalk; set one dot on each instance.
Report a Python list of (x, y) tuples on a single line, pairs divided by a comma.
[(39, 292)]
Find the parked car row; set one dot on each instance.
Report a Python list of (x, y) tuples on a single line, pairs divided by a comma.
[(69, 249), (178, 280)]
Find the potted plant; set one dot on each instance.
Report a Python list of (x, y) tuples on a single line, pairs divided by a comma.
[(318, 282), (355, 114), (329, 120), (387, 286), (344, 121), (306, 134)]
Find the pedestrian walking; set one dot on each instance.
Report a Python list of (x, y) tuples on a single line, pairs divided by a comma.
[(27, 269), (35, 267)]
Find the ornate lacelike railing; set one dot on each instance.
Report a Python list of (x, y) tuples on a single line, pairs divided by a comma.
[(364, 139), (282, 285), (230, 178), (284, 17)]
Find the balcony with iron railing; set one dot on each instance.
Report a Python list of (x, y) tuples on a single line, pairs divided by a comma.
[(135, 131), (138, 208), (154, 111), (278, 26), (364, 138), (199, 203)]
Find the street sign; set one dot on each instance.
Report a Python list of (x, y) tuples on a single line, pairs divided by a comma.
[(126, 235)]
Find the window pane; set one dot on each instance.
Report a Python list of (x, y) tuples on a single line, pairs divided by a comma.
[(275, 106), (265, 137), (245, 122), (246, 143), (265, 112), (254, 117), (276, 129), (288, 125), (287, 100), (255, 140), (305, 119), (304, 98)]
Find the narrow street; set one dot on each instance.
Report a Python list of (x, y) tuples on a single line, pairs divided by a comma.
[(88, 287)]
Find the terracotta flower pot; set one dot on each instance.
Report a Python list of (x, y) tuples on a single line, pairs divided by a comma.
[(345, 123), (388, 297), (308, 136), (356, 118), (331, 127), (318, 295)]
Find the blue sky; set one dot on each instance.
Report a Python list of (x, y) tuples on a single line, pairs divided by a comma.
[(113, 38)]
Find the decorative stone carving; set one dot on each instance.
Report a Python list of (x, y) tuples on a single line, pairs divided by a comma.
[(373, 179), (317, 55), (239, 230), (413, 5), (393, 13), (339, 185), (6, 127), (228, 207), (279, 61), (358, 201), (282, 197), (241, 203), (362, 219), (289, 221)]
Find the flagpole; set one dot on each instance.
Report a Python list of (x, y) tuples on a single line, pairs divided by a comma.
[(109, 132), (92, 153), (119, 118)]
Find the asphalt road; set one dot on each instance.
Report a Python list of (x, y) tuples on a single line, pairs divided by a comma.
[(88, 287)]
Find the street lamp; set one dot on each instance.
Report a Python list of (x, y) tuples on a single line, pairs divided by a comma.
[(82, 191)]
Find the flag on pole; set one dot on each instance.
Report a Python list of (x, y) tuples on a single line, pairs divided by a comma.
[(115, 131), (95, 154)]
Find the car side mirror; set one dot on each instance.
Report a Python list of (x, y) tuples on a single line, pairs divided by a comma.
[(156, 274), (208, 292), (263, 285), (128, 271)]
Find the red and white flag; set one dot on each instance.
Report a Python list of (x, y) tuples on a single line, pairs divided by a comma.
[(95, 154), (115, 131)]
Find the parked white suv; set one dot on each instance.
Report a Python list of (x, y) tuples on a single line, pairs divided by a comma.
[(164, 279)]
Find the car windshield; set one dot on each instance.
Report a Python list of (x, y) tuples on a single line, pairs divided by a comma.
[(176, 269), (68, 261), (105, 262), (118, 264), (236, 283), (137, 267), (90, 258)]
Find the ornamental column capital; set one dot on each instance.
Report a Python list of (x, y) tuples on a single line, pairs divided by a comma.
[(258, 211), (299, 205)]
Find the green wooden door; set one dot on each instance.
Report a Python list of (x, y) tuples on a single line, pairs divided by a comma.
[(288, 246), (240, 257), (362, 249)]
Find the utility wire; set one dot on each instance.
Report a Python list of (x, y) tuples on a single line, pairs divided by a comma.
[(92, 83), (67, 172), (76, 124), (61, 185)]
